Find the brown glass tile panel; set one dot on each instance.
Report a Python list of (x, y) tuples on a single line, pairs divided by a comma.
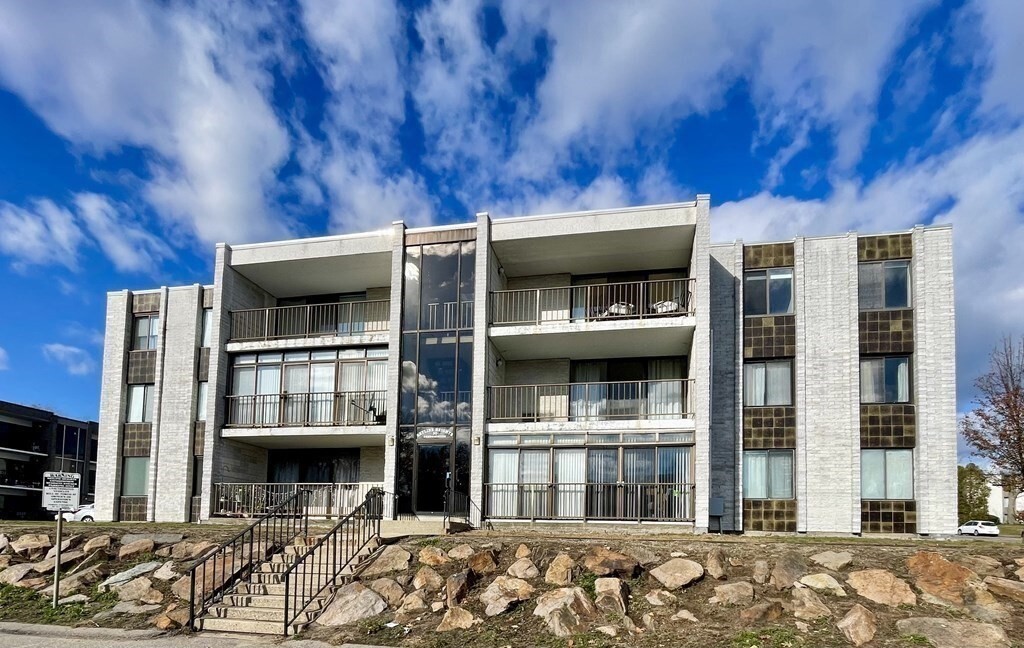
[(197, 503), (148, 303), (888, 425), (203, 369), (888, 516), (207, 297), (769, 515), (133, 509), (882, 248), (769, 427), (886, 331), (199, 439), (769, 255), (769, 336), (142, 367), (136, 440)]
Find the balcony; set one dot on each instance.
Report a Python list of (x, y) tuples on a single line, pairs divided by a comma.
[(330, 409), (325, 499), (640, 400), (664, 502), (314, 320)]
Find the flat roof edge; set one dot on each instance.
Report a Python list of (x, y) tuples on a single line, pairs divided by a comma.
[(599, 212)]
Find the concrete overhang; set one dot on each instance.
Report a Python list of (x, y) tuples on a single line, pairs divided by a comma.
[(314, 266), (308, 437), (669, 336), (570, 427), (319, 342), (620, 240)]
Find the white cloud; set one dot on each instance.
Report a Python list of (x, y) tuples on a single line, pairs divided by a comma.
[(40, 234), (5, 362), (1002, 23), (127, 244), (77, 362)]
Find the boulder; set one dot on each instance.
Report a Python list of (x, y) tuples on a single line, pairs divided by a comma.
[(404, 579), (64, 546), (610, 594), (433, 556), (647, 620), (882, 587), (413, 605), (1020, 573), (389, 590), (218, 571), (823, 583), (5, 561), (762, 571), (940, 580), (483, 562), (457, 587), (155, 538), (641, 554), (807, 605), (560, 571), (427, 579), (392, 559), (166, 572), (127, 575), (125, 607), (101, 542), (761, 612), (32, 545), (457, 618), (659, 598), (833, 560), (1006, 588), (178, 614), (739, 593), (678, 573), (437, 606), (859, 625), (460, 552), (982, 565), (564, 610), (15, 573), (78, 581), (353, 602), (602, 561), (503, 593), (522, 551), (136, 548), (202, 548), (32, 583), (164, 622), (950, 633), (46, 566), (523, 568), (74, 598), (788, 569), (607, 630), (716, 564), (684, 615), (135, 590), (182, 550), (163, 552), (5, 543)]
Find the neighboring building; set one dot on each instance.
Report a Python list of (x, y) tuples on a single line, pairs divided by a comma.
[(1003, 503), (607, 366), (33, 441)]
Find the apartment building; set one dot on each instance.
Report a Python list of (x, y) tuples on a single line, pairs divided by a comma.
[(606, 367)]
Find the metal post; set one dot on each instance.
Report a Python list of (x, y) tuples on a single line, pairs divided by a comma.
[(56, 565)]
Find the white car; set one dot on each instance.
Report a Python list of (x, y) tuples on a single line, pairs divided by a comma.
[(978, 527), (84, 513)]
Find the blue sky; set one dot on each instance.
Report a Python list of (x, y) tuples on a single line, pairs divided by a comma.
[(136, 135)]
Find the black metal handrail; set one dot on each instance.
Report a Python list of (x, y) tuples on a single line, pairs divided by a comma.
[(320, 565), (235, 559)]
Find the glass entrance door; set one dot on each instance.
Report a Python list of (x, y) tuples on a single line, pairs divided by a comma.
[(433, 463)]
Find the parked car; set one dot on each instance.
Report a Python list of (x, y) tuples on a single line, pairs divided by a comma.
[(84, 513), (978, 527)]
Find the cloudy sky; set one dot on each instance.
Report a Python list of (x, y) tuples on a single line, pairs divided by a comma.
[(136, 135)]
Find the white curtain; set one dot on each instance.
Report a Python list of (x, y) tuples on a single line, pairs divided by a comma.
[(899, 474), (589, 401), (903, 380), (780, 478), (534, 477), (504, 473), (753, 384), (665, 392), (872, 474), (675, 482), (321, 386), (755, 475), (570, 476), (268, 386), (872, 380), (296, 383), (870, 285), (779, 383)]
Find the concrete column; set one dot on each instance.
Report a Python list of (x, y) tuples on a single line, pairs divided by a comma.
[(725, 423), (478, 449), (700, 359), (158, 384), (394, 358), (218, 374), (113, 393)]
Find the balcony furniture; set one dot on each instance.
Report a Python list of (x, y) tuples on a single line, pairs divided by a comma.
[(620, 309)]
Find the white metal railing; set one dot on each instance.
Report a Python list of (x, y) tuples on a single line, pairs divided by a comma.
[(343, 318), (672, 501), (632, 300), (592, 401), (302, 409), (241, 499)]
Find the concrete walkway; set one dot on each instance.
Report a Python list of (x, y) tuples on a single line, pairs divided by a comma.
[(27, 635)]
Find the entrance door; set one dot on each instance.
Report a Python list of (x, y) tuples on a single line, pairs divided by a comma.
[(433, 465)]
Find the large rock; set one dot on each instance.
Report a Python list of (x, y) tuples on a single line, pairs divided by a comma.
[(457, 618), (739, 593), (389, 590), (762, 612), (78, 581), (564, 610), (823, 583), (788, 569), (460, 552), (483, 562), (610, 594), (126, 607), (413, 605), (762, 571), (807, 605), (32, 545), (136, 548), (101, 542), (982, 565), (218, 571), (833, 560), (641, 554), (659, 598), (684, 615), (882, 587), (678, 573), (353, 602), (427, 579), (602, 561), (940, 580), (202, 548), (13, 574), (129, 574), (392, 559), (523, 568), (46, 566), (137, 589), (433, 556), (32, 583), (859, 625), (560, 571), (522, 551), (182, 550), (64, 546), (457, 587), (950, 633), (5, 542), (1006, 588), (155, 538), (503, 593), (716, 564), (166, 572)]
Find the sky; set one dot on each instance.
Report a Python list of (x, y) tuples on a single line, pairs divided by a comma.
[(134, 136)]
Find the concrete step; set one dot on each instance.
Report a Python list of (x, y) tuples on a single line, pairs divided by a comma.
[(256, 614), (218, 624), (260, 589), (275, 601)]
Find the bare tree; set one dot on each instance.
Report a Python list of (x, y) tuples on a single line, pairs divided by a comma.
[(995, 427)]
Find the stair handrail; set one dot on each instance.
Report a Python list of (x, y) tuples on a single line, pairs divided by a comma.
[(341, 536), (281, 524)]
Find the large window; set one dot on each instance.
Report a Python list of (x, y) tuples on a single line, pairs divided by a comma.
[(140, 404), (768, 474), (768, 383), (885, 379), (207, 327), (146, 329), (201, 393), (134, 476), (884, 284), (887, 474), (768, 292)]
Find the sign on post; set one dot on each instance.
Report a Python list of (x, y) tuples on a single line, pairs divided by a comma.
[(61, 491)]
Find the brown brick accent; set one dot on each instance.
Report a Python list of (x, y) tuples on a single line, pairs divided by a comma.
[(147, 303), (142, 367), (207, 297), (203, 369), (769, 427), (888, 516), (887, 425), (769, 336), (197, 505), (769, 515), (887, 331), (769, 255), (136, 439), (199, 439), (133, 509), (882, 248)]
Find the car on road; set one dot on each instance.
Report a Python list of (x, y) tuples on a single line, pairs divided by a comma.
[(978, 527), (84, 513)]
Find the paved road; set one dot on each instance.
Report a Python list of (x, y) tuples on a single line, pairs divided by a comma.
[(23, 635)]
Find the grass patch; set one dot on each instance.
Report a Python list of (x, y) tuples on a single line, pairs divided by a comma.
[(587, 581), (433, 541), (916, 640), (767, 638), (25, 605), (377, 628)]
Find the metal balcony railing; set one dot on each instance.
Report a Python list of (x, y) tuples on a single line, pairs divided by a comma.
[(324, 499), (633, 300), (344, 318), (320, 408), (592, 401), (591, 501)]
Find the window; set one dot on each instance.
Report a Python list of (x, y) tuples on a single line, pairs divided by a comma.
[(207, 327), (885, 380), (885, 284), (768, 292), (135, 476), (140, 404), (768, 474), (197, 476), (768, 383), (201, 393), (146, 329), (887, 474)]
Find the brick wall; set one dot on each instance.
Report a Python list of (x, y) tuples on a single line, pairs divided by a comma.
[(725, 453)]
